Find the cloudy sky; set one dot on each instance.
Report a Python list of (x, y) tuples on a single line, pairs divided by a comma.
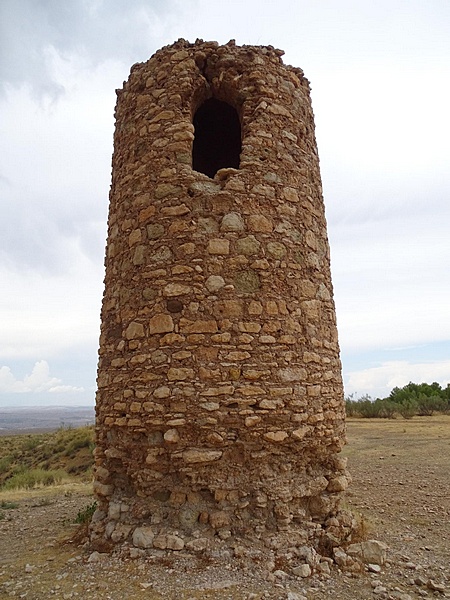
[(380, 77)]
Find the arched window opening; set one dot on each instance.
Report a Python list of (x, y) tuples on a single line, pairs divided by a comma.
[(217, 141)]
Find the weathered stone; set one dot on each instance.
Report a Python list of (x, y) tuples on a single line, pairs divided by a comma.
[(338, 484), (302, 571), (134, 330), (161, 323), (259, 223), (180, 374), (114, 511), (214, 283), (237, 355), (267, 404), (295, 596), (252, 421), (166, 189), (291, 194), (155, 231), (229, 308), (370, 552), (161, 254), (276, 436), (143, 537), (219, 246), (232, 222), (139, 255), (247, 282), (175, 211), (255, 308), (199, 326), (172, 436), (293, 374), (248, 245), (198, 545), (300, 433), (134, 237), (176, 289), (201, 455), (186, 249), (250, 327), (276, 249), (435, 586), (169, 541)]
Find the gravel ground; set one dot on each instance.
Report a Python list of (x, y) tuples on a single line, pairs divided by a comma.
[(401, 489)]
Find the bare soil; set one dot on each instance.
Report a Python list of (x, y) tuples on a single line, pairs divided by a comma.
[(401, 489)]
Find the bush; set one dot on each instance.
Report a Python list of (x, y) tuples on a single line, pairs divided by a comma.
[(5, 463), (85, 514), (8, 505), (408, 408), (351, 407), (368, 409), (427, 405), (387, 409)]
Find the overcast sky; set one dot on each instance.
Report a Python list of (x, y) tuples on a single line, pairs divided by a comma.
[(380, 78)]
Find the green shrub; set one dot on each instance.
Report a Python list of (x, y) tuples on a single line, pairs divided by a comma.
[(369, 409), (351, 407), (32, 442), (427, 405), (85, 514), (408, 408), (387, 408), (8, 505), (5, 463), (77, 444)]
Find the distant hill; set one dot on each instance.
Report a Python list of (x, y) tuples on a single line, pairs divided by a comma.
[(44, 418)]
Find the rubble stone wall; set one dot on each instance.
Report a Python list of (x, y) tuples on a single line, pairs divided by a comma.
[(220, 404)]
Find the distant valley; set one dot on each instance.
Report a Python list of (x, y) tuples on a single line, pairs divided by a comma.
[(44, 418)]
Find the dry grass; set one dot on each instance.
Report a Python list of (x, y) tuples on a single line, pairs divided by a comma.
[(49, 493), (30, 460), (398, 439)]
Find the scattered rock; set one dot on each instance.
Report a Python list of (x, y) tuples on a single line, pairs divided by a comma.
[(380, 589), (373, 568), (97, 557), (143, 537), (168, 542), (302, 571), (436, 587), (370, 552), (295, 596), (399, 595), (198, 545)]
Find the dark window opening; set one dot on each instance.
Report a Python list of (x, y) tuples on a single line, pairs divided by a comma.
[(217, 141)]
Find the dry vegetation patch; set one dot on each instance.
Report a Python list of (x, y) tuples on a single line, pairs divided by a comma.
[(32, 460)]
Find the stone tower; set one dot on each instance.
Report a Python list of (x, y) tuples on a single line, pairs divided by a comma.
[(220, 407)]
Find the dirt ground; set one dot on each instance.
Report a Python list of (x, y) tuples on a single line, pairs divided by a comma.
[(401, 487)]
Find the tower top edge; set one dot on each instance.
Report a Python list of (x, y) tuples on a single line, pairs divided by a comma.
[(182, 49)]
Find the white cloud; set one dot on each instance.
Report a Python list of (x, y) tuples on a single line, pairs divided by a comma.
[(38, 381), (379, 381), (32, 33)]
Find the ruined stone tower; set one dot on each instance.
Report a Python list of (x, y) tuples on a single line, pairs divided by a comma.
[(220, 408)]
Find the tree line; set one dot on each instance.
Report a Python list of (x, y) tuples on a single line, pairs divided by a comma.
[(422, 399)]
